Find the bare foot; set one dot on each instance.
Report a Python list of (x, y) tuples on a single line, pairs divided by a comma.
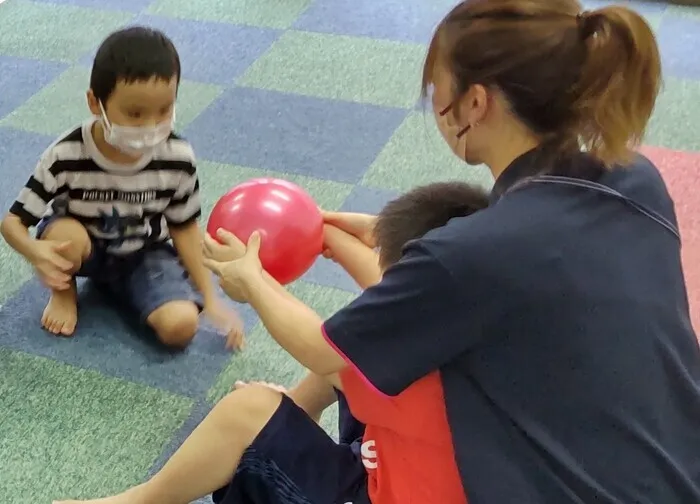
[(61, 313), (278, 388)]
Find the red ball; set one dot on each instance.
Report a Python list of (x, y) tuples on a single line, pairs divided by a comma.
[(289, 221)]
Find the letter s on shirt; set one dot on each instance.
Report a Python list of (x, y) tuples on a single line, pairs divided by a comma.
[(369, 454)]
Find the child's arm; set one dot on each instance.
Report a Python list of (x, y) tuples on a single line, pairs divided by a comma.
[(30, 206), (27, 210), (359, 225), (181, 215), (186, 240), (360, 261), (47, 257), (17, 236)]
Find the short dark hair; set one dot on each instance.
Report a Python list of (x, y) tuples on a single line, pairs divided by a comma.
[(576, 78), (136, 53), (420, 210)]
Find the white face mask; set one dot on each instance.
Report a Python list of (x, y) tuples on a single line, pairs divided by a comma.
[(136, 140)]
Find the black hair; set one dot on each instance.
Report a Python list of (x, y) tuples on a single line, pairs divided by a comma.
[(136, 53), (420, 210)]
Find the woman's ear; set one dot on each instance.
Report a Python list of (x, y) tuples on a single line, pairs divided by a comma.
[(473, 105)]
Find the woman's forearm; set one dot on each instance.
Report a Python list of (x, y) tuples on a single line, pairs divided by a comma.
[(295, 326)]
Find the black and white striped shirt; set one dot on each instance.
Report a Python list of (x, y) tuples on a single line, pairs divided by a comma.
[(123, 207)]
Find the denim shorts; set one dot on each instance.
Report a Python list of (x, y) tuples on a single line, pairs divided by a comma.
[(142, 281)]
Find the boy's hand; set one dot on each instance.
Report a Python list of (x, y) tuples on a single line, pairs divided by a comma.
[(53, 269), (235, 277), (228, 321), (226, 247), (359, 225)]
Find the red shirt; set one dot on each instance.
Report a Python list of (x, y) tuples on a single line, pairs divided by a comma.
[(407, 447)]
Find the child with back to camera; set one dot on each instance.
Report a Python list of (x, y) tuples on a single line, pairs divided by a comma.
[(393, 449), (108, 197), (403, 219)]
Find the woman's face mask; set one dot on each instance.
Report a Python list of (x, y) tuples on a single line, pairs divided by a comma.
[(458, 133), (453, 134), (136, 140)]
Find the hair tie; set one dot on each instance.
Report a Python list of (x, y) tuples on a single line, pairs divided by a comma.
[(583, 20), (581, 17)]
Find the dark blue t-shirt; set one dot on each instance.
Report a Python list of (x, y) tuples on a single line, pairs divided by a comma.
[(558, 318)]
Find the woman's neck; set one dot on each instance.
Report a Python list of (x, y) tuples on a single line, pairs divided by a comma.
[(516, 141)]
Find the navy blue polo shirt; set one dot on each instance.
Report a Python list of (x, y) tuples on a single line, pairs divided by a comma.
[(559, 321)]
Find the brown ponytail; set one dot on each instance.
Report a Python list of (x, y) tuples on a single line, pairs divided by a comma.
[(619, 82), (578, 79)]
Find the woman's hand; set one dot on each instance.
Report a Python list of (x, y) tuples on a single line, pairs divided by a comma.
[(226, 247), (237, 276), (359, 225)]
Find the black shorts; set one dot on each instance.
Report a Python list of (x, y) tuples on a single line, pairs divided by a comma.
[(350, 430), (294, 461)]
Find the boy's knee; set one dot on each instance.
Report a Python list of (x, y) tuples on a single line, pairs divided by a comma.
[(175, 323), (69, 230), (250, 409)]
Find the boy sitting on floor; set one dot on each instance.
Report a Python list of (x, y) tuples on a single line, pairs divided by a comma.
[(107, 198), (404, 423)]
